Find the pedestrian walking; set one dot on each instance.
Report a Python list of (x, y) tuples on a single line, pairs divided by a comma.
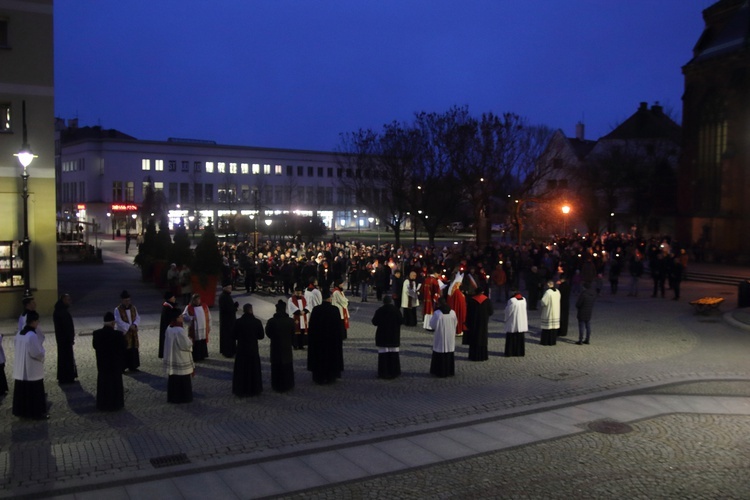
[(169, 305), (585, 308), (325, 354), (247, 379), (127, 320), (29, 398), (478, 312), (444, 324), (338, 299), (516, 325), (109, 345), (296, 307), (227, 317), (198, 318), (550, 314), (178, 361), (65, 337), (388, 320), (280, 331)]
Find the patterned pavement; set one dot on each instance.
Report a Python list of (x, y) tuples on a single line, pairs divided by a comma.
[(638, 345)]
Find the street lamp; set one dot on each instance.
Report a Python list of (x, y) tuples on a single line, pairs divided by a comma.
[(25, 157), (565, 211), (112, 221)]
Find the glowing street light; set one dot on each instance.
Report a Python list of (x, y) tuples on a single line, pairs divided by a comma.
[(565, 211)]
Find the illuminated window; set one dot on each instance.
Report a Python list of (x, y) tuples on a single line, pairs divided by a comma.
[(222, 167), (5, 116), (278, 169), (145, 164), (256, 168), (158, 186), (232, 168), (267, 169), (209, 167), (159, 165), (245, 168)]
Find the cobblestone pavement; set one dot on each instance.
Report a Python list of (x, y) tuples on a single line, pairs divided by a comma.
[(637, 344)]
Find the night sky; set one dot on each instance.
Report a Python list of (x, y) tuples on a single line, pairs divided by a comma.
[(296, 74)]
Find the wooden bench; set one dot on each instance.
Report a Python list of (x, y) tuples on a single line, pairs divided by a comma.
[(705, 305)]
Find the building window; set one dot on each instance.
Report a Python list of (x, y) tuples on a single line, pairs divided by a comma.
[(300, 171), (129, 191), (184, 192), (278, 169), (197, 167), (173, 197), (145, 164), (209, 167), (209, 193), (330, 171), (197, 192), (278, 195), (267, 169), (5, 116), (116, 191), (310, 171), (158, 186), (232, 168), (245, 192), (159, 165), (186, 166), (339, 172), (222, 167), (320, 171), (289, 171), (256, 168), (244, 168)]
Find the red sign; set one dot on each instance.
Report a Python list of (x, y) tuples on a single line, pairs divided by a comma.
[(80, 206), (124, 208)]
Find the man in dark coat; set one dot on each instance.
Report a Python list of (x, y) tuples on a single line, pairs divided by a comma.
[(169, 305), (478, 312), (388, 321), (564, 286), (325, 354), (227, 317), (280, 331), (65, 337), (109, 345), (585, 306), (247, 330)]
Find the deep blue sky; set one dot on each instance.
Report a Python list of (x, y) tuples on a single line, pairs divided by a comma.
[(296, 74)]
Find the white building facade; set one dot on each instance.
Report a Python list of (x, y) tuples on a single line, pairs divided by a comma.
[(105, 174)]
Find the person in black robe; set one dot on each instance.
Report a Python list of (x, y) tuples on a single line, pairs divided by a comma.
[(167, 308), (227, 317), (109, 345), (478, 312), (564, 287), (325, 352), (247, 331), (388, 321), (280, 331), (65, 336)]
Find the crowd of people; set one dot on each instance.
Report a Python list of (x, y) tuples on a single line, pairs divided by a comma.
[(453, 288)]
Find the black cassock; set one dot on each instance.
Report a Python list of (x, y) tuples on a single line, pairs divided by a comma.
[(227, 317), (478, 312), (247, 379), (564, 288), (110, 351), (65, 337), (280, 331), (388, 321), (325, 352)]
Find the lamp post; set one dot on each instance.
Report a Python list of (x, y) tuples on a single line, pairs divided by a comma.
[(565, 211), (25, 157)]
